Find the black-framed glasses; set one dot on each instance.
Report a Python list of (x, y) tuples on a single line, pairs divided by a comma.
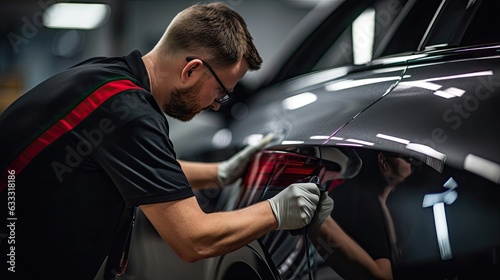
[(227, 94)]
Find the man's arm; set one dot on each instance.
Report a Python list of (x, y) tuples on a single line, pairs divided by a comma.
[(200, 175), (345, 256), (195, 235), (209, 175)]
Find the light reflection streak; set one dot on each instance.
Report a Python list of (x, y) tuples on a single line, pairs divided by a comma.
[(393, 138), (438, 201)]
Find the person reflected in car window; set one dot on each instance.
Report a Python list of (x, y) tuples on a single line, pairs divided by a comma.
[(358, 241), (395, 169)]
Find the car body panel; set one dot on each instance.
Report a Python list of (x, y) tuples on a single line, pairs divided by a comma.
[(335, 103), (442, 105)]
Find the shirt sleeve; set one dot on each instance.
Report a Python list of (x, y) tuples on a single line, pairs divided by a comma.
[(139, 157)]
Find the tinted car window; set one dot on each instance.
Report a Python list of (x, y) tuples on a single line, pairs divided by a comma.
[(415, 18), (385, 28), (449, 26), (484, 28), (400, 26), (466, 23)]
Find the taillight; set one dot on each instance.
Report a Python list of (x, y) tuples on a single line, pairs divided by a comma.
[(272, 171)]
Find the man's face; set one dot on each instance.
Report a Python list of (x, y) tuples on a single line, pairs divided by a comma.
[(398, 169), (187, 102), (184, 102)]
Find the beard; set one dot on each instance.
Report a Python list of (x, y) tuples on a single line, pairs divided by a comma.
[(183, 104)]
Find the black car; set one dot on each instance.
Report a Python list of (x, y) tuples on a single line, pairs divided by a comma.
[(397, 118), (427, 100)]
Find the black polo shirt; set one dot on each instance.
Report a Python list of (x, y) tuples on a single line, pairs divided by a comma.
[(83, 146)]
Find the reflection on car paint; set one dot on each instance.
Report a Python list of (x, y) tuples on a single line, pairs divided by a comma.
[(483, 167), (380, 209), (437, 201), (345, 84), (299, 100)]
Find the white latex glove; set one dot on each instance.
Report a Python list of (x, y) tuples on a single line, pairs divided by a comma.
[(323, 210), (230, 170), (294, 207)]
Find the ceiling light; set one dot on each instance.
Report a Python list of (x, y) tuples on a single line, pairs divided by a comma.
[(76, 15)]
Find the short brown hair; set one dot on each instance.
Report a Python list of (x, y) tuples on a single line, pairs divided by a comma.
[(214, 31)]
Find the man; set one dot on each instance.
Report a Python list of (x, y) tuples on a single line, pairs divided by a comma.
[(87, 145)]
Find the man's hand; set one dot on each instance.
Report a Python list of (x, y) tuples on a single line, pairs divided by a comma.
[(230, 170), (294, 207), (323, 210)]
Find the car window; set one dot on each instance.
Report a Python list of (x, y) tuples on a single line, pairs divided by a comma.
[(450, 23), (385, 28), (484, 27), (391, 27), (465, 23), (407, 34)]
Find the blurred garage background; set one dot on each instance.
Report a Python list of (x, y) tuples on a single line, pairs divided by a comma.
[(31, 52)]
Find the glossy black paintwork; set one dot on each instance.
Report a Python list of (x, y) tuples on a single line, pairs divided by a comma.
[(328, 113), (455, 127), (471, 219)]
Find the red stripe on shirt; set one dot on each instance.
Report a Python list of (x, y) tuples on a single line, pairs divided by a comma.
[(65, 124)]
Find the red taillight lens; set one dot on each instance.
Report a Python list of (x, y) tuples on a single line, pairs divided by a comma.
[(272, 171)]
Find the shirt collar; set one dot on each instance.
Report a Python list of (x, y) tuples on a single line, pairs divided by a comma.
[(134, 60)]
